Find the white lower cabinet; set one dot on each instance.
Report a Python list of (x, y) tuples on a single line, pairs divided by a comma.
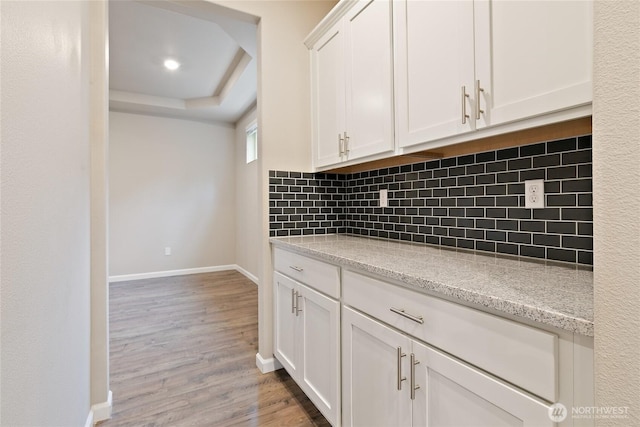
[(372, 394), (369, 353), (307, 342), (451, 393), (390, 379)]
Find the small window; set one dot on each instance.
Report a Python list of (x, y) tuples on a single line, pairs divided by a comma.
[(252, 142)]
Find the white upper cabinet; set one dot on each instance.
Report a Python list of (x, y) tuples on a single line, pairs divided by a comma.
[(532, 57), (390, 77), (329, 93), (352, 85), (434, 73), (369, 79), (462, 66)]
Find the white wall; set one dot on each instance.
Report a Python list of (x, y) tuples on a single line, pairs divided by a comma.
[(99, 124), (248, 237), (171, 183), (284, 115), (616, 203), (45, 241)]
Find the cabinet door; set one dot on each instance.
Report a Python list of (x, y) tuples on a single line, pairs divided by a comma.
[(285, 327), (453, 394), (328, 93), (434, 61), (320, 341), (370, 371), (532, 57), (369, 78)]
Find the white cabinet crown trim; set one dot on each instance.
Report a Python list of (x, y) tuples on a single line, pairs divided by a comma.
[(334, 15)]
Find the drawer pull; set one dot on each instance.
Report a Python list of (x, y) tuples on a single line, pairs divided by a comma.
[(298, 269), (401, 312), (400, 355)]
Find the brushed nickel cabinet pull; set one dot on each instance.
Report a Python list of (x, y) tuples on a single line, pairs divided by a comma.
[(293, 301), (414, 387), (340, 144), (346, 143), (478, 90), (400, 355), (401, 312), (298, 269), (298, 309), (465, 95)]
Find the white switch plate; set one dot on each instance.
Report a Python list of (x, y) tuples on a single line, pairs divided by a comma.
[(167, 250), (534, 194), (384, 202)]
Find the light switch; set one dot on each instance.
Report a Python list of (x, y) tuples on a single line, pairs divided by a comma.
[(384, 202)]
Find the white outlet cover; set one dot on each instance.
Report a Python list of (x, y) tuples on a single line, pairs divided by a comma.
[(384, 202), (534, 194)]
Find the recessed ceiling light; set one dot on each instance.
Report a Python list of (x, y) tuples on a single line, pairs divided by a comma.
[(171, 64)]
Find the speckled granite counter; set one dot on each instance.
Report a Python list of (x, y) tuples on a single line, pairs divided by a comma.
[(552, 294)]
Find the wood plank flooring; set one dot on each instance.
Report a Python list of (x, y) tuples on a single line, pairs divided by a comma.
[(183, 354)]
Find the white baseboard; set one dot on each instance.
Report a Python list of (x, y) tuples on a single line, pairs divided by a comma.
[(100, 411), (248, 275), (168, 273), (267, 365)]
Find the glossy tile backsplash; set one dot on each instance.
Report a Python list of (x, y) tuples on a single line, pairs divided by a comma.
[(306, 203), (474, 202)]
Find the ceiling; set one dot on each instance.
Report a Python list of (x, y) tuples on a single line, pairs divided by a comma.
[(216, 47)]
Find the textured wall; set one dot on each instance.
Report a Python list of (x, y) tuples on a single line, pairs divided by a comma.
[(45, 214), (171, 183), (616, 168)]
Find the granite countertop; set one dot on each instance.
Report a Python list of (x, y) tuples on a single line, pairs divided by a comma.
[(549, 293)]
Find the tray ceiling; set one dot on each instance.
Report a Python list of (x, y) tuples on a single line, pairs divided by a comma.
[(216, 49)]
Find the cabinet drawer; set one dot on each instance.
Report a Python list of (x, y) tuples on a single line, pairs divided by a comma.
[(519, 354), (316, 274)]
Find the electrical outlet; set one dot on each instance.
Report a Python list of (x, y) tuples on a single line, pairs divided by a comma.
[(167, 250), (384, 201), (534, 194)]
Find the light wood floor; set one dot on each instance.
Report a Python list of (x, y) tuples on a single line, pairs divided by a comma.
[(183, 354)]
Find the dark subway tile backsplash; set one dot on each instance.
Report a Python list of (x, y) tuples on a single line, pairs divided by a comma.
[(473, 202), (306, 203)]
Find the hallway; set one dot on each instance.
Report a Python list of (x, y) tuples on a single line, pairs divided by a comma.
[(183, 354)]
